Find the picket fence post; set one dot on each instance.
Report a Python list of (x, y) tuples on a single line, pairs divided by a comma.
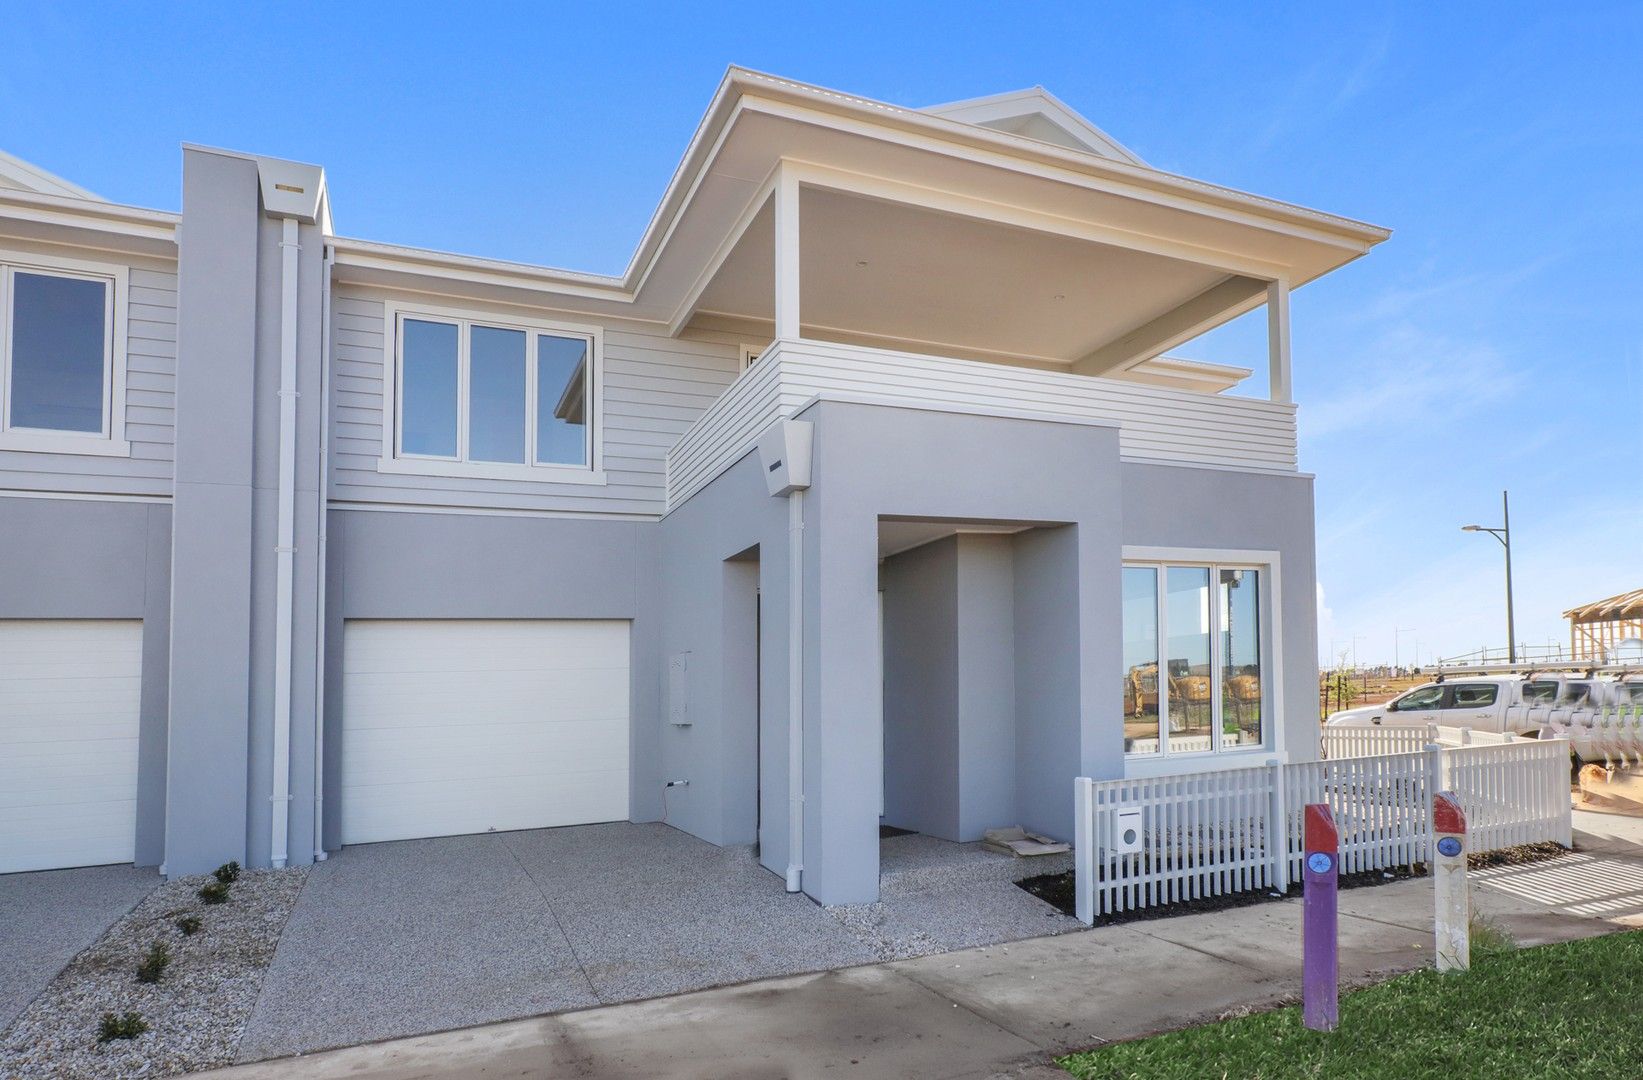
[(1278, 829), (1084, 849)]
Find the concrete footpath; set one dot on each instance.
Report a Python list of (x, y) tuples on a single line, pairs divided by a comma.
[(998, 1011)]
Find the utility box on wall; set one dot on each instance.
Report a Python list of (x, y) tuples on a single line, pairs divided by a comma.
[(678, 689), (784, 451)]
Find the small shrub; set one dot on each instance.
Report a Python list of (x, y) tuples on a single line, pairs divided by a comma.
[(1489, 938), (126, 1026), (227, 873), (189, 925), (154, 964), (213, 892)]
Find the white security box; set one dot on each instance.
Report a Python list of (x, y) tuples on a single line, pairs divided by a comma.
[(784, 451), (1127, 834)]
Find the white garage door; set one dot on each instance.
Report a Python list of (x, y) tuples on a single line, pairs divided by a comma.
[(70, 693), (465, 726)]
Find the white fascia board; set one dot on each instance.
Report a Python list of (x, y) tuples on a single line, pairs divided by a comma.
[(742, 89), (99, 225), (1026, 149), (30, 177)]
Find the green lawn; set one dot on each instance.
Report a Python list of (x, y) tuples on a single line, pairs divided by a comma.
[(1572, 1010)]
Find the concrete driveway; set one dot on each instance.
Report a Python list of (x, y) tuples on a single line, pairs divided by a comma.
[(426, 935), (48, 916)]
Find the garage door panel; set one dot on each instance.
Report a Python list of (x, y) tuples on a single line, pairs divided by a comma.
[(438, 698), (440, 753), (70, 699), (447, 809), (457, 726)]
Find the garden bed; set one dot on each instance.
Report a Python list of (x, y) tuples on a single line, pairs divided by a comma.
[(1059, 890), (192, 1017)]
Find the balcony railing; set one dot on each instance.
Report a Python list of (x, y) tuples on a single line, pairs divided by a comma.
[(1155, 424)]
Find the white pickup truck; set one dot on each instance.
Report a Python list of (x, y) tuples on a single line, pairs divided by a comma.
[(1519, 704)]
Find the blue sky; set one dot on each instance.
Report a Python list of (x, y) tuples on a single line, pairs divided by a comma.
[(1495, 341)]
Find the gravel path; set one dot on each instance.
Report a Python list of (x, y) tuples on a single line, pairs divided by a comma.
[(196, 1013)]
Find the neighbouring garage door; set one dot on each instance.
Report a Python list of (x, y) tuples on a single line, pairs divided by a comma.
[(464, 726), (70, 696)]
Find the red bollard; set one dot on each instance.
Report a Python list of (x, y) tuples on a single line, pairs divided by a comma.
[(1320, 958)]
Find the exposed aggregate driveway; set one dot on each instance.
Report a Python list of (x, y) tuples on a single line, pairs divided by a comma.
[(425, 935)]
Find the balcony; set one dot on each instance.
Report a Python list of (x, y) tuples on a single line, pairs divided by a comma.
[(1155, 424)]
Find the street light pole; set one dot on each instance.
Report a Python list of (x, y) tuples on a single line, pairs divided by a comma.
[(1504, 535)]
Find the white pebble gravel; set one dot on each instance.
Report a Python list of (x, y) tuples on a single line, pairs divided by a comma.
[(196, 1013)]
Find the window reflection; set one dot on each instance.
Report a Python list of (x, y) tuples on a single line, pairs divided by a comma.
[(1140, 600), (58, 347), (496, 395), (428, 396), (1240, 658), (562, 400), (1189, 705)]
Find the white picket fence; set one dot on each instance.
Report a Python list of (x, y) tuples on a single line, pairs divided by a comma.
[(1215, 833), (1345, 742)]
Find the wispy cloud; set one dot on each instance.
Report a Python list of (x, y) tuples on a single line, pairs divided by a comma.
[(1408, 378), (1321, 91)]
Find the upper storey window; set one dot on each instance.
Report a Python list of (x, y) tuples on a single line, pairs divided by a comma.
[(60, 372), (493, 398)]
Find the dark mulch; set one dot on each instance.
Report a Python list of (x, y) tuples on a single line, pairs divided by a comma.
[(1058, 890), (887, 831)]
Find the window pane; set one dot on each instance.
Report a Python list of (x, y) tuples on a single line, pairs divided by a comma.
[(1187, 612), (1140, 660), (496, 395), (428, 398), (1472, 696), (1241, 704), (1427, 697), (562, 400), (58, 339)]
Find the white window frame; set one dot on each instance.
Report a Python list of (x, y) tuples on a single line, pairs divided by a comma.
[(751, 354), (1268, 563), (111, 440), (394, 460)]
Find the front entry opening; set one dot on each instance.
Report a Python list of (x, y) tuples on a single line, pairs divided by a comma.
[(979, 637)]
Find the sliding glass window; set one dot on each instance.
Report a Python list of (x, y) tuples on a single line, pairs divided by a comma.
[(480, 395), (1195, 672)]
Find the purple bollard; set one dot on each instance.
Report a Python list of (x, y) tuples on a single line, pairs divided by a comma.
[(1320, 964)]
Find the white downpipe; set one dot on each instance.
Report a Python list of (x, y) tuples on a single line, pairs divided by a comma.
[(795, 690), (319, 565), (284, 549)]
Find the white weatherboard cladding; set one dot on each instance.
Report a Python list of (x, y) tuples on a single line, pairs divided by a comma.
[(69, 704), (151, 370), (1155, 424), (464, 726), (655, 387)]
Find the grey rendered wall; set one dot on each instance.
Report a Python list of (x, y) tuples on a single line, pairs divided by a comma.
[(391, 565), (955, 467), (76, 559), (921, 689), (734, 756), (949, 687), (1211, 508), (987, 707), (265, 538), (1052, 630), (212, 515)]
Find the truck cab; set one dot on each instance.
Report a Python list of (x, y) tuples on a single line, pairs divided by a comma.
[(1467, 702)]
